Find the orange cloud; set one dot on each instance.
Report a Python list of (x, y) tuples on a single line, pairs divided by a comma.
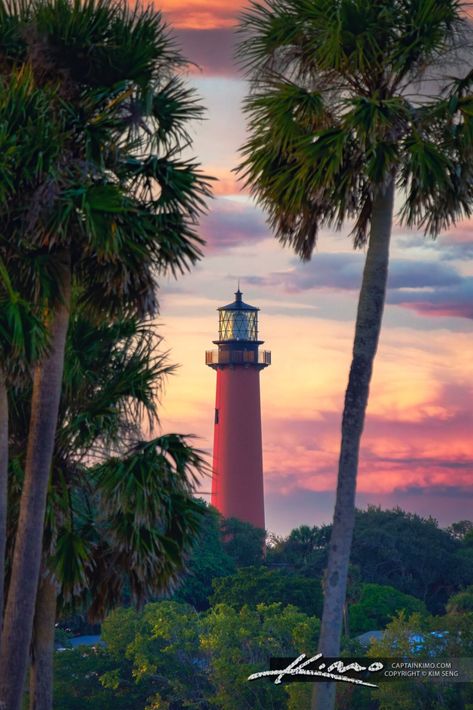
[(226, 183), (201, 14)]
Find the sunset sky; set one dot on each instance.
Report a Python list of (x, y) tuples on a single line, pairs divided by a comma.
[(417, 449)]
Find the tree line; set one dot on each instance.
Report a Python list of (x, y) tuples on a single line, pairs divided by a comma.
[(395, 550), (235, 608)]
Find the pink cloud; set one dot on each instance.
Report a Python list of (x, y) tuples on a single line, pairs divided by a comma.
[(462, 233), (426, 454), (212, 50), (230, 224)]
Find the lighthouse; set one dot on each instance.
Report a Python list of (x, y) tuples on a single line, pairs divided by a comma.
[(237, 476)]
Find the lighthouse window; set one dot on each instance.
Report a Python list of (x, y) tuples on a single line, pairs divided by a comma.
[(238, 325), (216, 416)]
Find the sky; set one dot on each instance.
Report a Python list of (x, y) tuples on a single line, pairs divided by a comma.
[(417, 447)]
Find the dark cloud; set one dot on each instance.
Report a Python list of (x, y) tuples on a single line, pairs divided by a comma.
[(455, 246), (231, 224), (447, 504), (454, 301), (343, 271), (428, 462), (404, 273), (438, 491), (432, 288), (211, 49)]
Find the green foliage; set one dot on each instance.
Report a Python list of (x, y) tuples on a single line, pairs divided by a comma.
[(23, 335), (461, 530), (390, 548), (243, 542), (462, 602), (331, 119), (77, 684), (241, 642), (95, 192), (31, 133), (443, 636), (121, 517), (411, 553), (208, 560), (378, 604), (94, 116), (112, 380), (258, 585), (171, 657), (119, 630), (162, 651), (305, 549)]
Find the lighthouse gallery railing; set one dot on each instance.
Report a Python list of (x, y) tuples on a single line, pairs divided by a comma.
[(237, 357)]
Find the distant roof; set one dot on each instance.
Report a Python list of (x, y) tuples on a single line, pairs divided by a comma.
[(369, 636), (238, 304)]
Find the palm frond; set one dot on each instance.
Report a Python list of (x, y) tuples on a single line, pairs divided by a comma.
[(330, 119)]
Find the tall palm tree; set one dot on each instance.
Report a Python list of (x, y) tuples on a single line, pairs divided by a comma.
[(22, 342), (112, 378), (335, 126), (108, 201), (19, 317), (103, 549)]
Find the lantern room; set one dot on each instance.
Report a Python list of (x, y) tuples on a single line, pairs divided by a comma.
[(238, 321), (238, 342)]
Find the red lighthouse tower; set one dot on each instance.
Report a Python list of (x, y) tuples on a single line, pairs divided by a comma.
[(237, 481)]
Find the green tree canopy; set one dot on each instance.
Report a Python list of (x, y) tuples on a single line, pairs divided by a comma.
[(162, 649), (390, 547), (377, 605), (170, 657), (461, 602), (406, 636), (258, 585), (241, 642), (411, 553), (208, 560), (243, 542), (305, 549)]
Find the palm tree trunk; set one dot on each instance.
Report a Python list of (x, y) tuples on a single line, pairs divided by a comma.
[(20, 606), (41, 672), (3, 484), (346, 621), (368, 325)]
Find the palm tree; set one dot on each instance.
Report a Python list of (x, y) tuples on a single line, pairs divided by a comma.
[(103, 549), (102, 196), (335, 126), (3, 481), (19, 319), (22, 342), (112, 379)]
